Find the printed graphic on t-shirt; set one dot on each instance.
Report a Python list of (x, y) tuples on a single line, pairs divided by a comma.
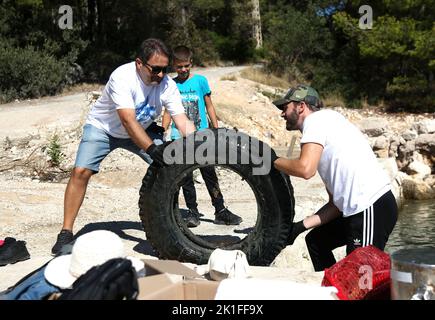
[(145, 112), (191, 108)]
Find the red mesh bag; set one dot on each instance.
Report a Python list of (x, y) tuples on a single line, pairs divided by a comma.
[(351, 275)]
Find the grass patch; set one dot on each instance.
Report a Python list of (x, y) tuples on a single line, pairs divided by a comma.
[(258, 75)]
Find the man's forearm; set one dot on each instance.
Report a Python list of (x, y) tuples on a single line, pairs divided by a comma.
[(166, 120), (306, 165), (188, 128), (324, 215), (293, 167), (137, 134), (183, 124)]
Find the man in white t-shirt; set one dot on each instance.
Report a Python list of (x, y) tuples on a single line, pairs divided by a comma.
[(123, 117), (361, 210)]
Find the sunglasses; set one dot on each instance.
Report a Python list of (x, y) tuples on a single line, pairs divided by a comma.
[(157, 69)]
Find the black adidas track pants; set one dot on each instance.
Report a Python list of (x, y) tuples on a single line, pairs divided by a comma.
[(372, 226)]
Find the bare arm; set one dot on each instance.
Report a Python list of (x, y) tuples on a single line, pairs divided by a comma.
[(134, 129), (166, 120), (304, 167), (211, 111), (183, 124), (324, 215)]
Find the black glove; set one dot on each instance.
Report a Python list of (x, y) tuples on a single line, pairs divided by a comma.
[(116, 279), (154, 127), (156, 153), (273, 156), (262, 148), (297, 229)]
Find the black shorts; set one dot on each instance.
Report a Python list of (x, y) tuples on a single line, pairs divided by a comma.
[(372, 226)]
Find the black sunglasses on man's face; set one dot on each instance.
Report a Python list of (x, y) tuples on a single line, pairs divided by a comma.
[(156, 69)]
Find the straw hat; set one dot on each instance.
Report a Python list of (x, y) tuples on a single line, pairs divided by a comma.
[(89, 250)]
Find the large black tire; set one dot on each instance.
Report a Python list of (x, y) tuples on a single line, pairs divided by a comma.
[(168, 235)]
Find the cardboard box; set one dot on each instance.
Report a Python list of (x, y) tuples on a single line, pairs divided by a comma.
[(164, 287), (171, 280), (154, 267)]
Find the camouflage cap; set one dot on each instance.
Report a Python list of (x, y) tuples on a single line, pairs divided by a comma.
[(299, 93)]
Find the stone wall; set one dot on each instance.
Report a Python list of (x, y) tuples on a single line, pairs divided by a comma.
[(413, 152)]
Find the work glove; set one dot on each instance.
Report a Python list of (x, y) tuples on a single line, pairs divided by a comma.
[(156, 153), (297, 229), (154, 127), (273, 156), (262, 148), (116, 279)]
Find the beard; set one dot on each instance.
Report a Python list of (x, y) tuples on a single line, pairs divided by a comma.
[(155, 80), (292, 121), (150, 80)]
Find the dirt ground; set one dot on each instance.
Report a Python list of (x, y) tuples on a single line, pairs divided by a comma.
[(31, 208)]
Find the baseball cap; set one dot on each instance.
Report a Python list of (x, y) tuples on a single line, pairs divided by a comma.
[(299, 93)]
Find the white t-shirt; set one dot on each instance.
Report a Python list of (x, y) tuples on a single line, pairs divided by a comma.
[(348, 166), (126, 90)]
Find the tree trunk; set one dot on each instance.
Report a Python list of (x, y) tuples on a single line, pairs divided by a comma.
[(92, 6), (184, 18), (179, 16), (256, 24), (100, 18)]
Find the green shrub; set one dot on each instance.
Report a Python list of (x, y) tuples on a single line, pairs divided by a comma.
[(27, 73), (54, 151)]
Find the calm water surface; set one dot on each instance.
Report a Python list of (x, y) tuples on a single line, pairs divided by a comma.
[(415, 226)]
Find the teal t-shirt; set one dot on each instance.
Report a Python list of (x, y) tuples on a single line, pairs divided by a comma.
[(192, 92)]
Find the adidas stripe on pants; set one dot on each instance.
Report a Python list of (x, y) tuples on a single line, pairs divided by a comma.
[(372, 226)]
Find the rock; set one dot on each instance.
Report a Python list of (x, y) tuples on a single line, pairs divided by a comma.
[(406, 149), (430, 180), (397, 188), (409, 135), (382, 153), (426, 142), (417, 189), (394, 145), (373, 127), (425, 126), (418, 167), (381, 143)]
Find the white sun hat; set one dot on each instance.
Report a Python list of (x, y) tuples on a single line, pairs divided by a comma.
[(89, 250), (231, 264)]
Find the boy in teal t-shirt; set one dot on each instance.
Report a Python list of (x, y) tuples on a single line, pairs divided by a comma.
[(195, 94)]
